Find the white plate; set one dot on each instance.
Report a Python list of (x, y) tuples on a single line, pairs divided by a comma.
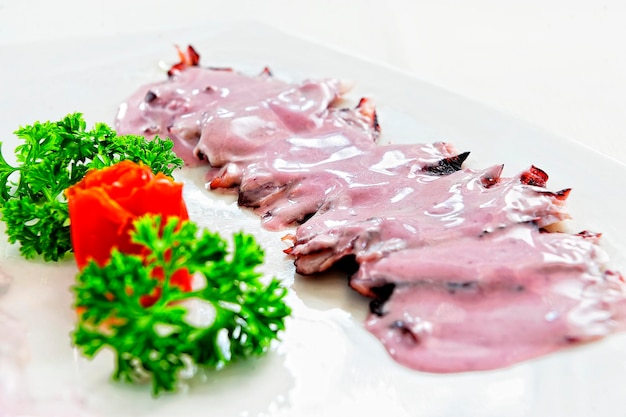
[(326, 365)]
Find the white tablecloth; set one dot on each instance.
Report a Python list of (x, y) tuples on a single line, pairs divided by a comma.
[(558, 64)]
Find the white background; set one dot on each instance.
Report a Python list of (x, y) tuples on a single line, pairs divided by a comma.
[(558, 64)]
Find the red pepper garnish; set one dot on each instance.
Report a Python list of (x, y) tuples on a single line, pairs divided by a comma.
[(534, 176), (106, 202), (188, 58)]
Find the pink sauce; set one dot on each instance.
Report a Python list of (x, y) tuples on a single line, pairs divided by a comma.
[(300, 182), (461, 273), (227, 118), (419, 210), (484, 303)]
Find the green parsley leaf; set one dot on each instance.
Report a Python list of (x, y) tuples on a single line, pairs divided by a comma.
[(158, 342), (54, 156)]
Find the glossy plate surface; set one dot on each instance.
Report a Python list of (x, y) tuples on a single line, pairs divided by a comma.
[(327, 364)]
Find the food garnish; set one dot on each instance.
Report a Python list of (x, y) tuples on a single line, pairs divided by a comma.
[(465, 267), (106, 202), (159, 341), (53, 157)]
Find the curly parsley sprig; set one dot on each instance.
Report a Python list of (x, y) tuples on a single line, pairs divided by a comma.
[(54, 156), (158, 341)]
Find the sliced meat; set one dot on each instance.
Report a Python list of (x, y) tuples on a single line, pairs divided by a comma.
[(474, 304), (461, 271), (340, 133), (222, 117), (418, 210), (310, 177)]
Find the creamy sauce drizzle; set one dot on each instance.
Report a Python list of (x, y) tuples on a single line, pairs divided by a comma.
[(462, 275)]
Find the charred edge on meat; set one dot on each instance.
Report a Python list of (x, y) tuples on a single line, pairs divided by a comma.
[(176, 68), (229, 69), (346, 264), (367, 109), (189, 58), (193, 56), (534, 176), (220, 183), (446, 166), (453, 286), (305, 218), (150, 96), (559, 195), (375, 124), (253, 198), (382, 294), (571, 339), (405, 331), (487, 180), (587, 234)]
